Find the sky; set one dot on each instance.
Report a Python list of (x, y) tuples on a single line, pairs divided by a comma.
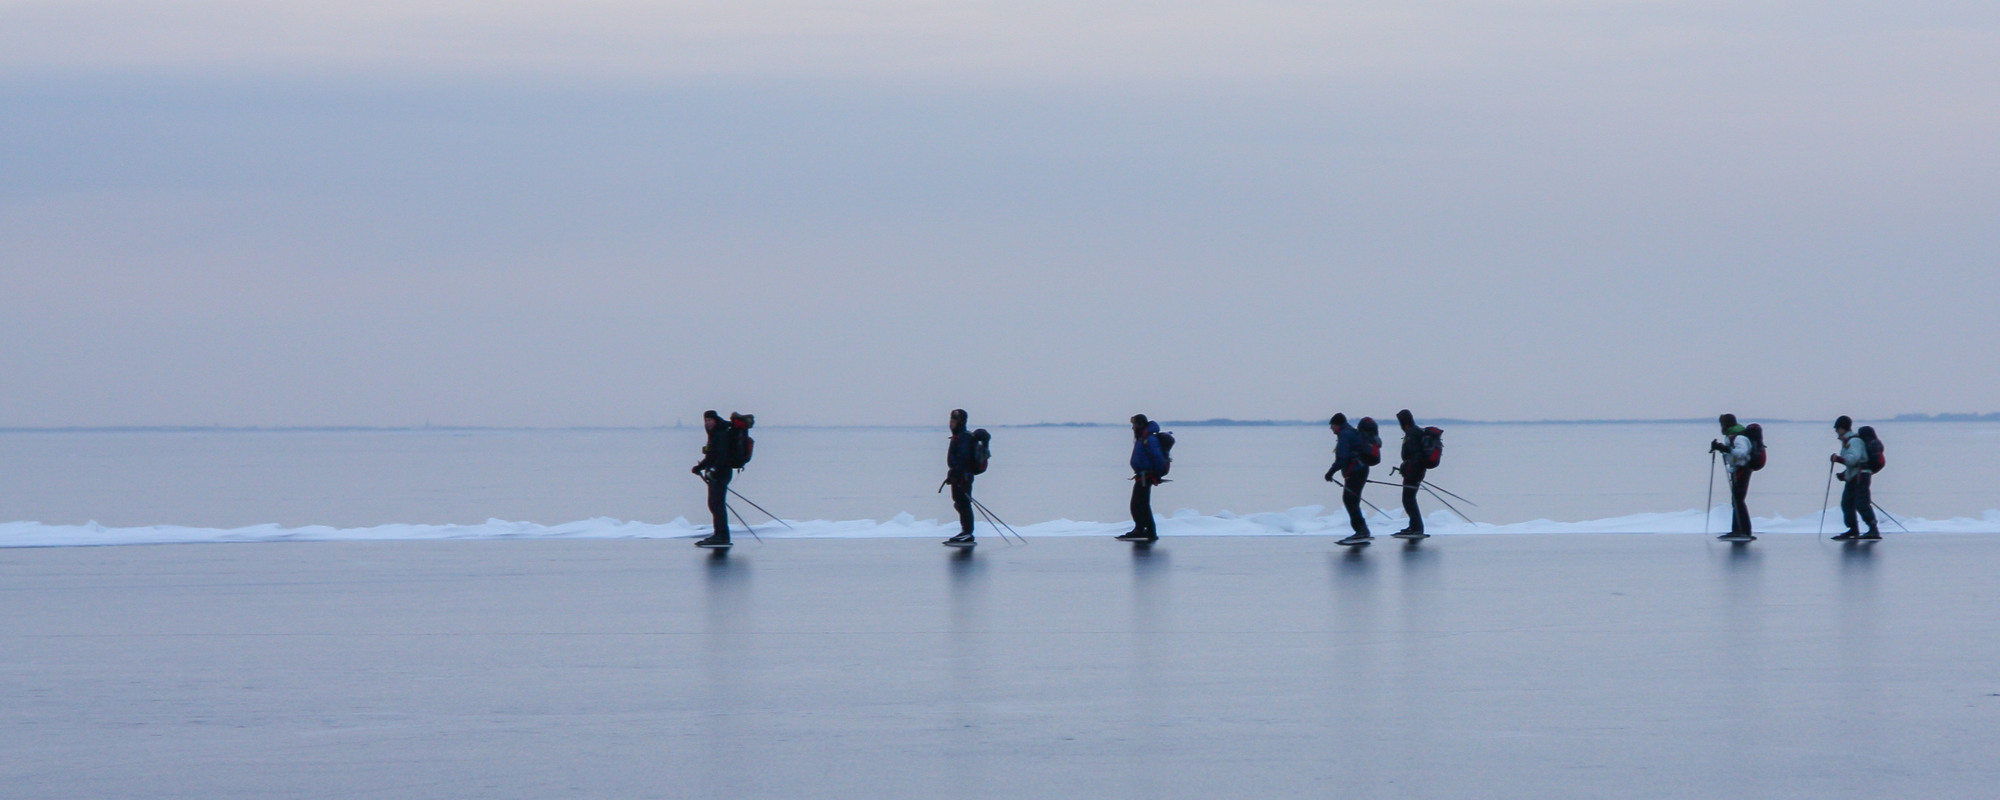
[(871, 212)]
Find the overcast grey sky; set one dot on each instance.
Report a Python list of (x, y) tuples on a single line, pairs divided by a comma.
[(622, 213)]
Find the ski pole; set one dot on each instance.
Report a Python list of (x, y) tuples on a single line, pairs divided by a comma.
[(1357, 496), (1450, 492), (1428, 485), (753, 504), (1826, 497), (1447, 504), (997, 521), (746, 523), (998, 525), (1709, 507), (990, 523), (1885, 512)]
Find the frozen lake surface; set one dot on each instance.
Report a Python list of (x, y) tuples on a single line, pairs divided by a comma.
[(1548, 666)]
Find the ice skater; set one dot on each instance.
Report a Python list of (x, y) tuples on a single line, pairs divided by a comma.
[(1739, 454), (1354, 450), (1856, 499), (718, 460), (1415, 462), (959, 457), (1149, 463)]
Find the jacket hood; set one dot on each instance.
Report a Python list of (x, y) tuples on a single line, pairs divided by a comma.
[(1152, 428), (1734, 430)]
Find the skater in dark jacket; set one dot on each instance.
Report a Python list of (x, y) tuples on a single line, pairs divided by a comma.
[(1346, 456), (715, 471), (958, 473), (1413, 467), (1856, 495), (1735, 461), (1148, 463)]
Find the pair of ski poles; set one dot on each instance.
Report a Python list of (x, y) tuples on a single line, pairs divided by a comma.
[(1826, 499), (753, 504), (1433, 489), (991, 518), (1425, 486)]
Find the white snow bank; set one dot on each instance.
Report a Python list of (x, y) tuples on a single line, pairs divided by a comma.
[(1305, 520)]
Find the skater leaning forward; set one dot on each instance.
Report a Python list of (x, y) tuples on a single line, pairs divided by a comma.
[(1355, 450)]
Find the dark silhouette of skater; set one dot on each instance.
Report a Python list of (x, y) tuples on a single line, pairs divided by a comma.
[(715, 469), (1354, 451), (958, 461), (1415, 463), (1149, 463)]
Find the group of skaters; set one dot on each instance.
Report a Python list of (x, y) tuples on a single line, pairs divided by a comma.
[(1860, 457), (1357, 449)]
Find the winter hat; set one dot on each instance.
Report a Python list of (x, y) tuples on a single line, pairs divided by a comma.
[(1845, 423), (1338, 419), (1406, 419)]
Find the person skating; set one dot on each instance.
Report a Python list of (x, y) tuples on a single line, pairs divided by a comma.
[(1354, 450), (1856, 499), (1736, 454), (1149, 463), (714, 469), (1415, 462), (958, 460)]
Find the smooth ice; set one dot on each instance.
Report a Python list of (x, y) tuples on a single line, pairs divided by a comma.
[(1546, 666)]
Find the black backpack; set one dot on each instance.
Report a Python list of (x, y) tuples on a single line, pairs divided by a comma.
[(1876, 459), (1433, 440), (1166, 439), (981, 452), (741, 446), (1755, 433), (1370, 448)]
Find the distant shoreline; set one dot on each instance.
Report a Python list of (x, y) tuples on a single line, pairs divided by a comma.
[(1218, 422)]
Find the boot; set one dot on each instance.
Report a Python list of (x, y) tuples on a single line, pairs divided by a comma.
[(713, 541)]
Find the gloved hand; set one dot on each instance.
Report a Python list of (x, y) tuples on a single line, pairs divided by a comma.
[(696, 469), (1835, 458), (1718, 447), (1329, 474)]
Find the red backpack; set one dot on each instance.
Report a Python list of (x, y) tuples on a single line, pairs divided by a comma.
[(1755, 432), (1433, 439)]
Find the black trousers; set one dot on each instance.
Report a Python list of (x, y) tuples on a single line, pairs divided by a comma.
[(1413, 477), (961, 499), (1142, 504), (718, 500), (1739, 491), (1857, 498), (1350, 497)]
